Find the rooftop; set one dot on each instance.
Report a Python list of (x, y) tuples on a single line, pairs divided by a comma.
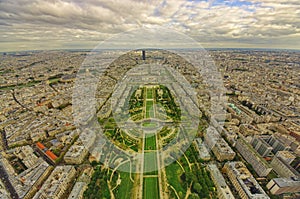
[(287, 182)]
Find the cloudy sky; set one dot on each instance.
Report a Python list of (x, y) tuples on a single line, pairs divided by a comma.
[(68, 24)]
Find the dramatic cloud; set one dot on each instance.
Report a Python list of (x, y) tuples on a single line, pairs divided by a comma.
[(51, 24)]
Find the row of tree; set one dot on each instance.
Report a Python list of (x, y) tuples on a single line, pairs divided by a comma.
[(98, 187), (199, 177)]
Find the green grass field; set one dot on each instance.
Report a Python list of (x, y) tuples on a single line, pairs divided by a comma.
[(125, 188), (150, 142), (174, 172), (149, 124), (149, 93), (150, 163), (150, 188), (149, 109)]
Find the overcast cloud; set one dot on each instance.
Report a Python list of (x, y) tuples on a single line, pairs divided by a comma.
[(56, 24)]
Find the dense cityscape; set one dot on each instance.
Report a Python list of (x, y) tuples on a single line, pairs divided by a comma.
[(252, 150)]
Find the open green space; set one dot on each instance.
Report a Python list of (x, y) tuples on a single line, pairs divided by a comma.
[(174, 172), (150, 163), (150, 142), (103, 180), (181, 176), (136, 103), (98, 187), (150, 188), (168, 102), (149, 124), (149, 93), (124, 190), (149, 109)]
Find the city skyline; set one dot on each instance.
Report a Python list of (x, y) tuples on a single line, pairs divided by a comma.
[(72, 24)]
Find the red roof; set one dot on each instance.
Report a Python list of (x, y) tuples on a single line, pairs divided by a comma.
[(268, 158), (51, 155), (40, 145)]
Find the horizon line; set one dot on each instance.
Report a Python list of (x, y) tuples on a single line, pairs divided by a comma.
[(191, 48)]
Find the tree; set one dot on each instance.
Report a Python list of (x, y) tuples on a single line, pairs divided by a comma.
[(194, 196), (183, 177), (197, 187), (190, 177), (94, 163)]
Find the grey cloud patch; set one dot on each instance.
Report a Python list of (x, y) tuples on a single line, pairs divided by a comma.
[(2, 23), (87, 21)]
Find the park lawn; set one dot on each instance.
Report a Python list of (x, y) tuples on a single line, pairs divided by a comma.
[(124, 190), (150, 114), (149, 93), (150, 188), (150, 142), (174, 172), (150, 163), (149, 124), (149, 109)]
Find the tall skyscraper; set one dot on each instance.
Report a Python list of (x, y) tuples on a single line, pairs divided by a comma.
[(144, 54)]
